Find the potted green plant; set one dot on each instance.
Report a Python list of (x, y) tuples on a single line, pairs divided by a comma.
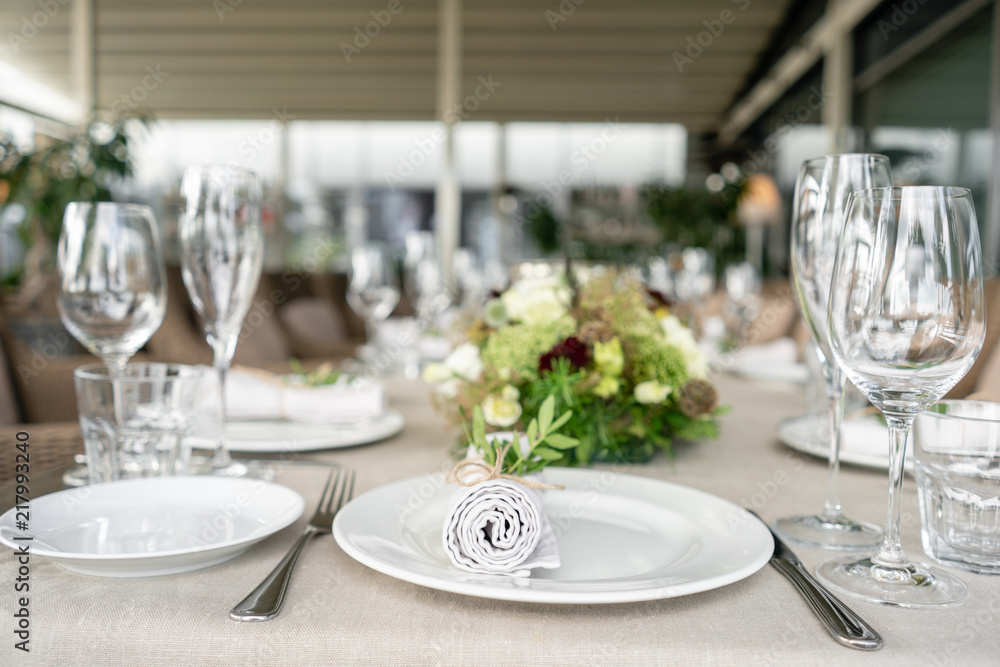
[(84, 166)]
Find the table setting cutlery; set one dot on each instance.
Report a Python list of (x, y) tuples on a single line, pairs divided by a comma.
[(837, 618), (265, 601)]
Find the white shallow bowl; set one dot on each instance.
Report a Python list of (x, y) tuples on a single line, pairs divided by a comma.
[(153, 526), (622, 538)]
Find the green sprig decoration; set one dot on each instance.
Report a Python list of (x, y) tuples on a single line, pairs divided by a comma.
[(545, 444)]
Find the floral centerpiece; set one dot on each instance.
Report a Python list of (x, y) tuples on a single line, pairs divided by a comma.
[(615, 356)]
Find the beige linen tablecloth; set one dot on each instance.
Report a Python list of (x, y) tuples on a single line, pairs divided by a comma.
[(340, 612)]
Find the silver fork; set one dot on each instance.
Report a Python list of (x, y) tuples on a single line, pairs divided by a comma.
[(265, 601)]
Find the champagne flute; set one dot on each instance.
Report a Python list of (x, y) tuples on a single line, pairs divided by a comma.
[(821, 193), (372, 290), (907, 319), (113, 286), (221, 252)]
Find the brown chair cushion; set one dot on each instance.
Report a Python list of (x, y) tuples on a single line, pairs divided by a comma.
[(779, 313), (973, 380), (262, 339), (315, 327), (9, 413), (179, 339)]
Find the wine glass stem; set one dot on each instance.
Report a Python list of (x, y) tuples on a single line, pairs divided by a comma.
[(221, 458), (891, 554), (832, 510), (371, 331), (116, 364)]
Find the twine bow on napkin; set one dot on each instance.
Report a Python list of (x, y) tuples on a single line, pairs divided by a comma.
[(496, 472)]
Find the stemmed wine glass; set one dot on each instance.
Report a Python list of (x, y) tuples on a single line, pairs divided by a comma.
[(113, 286), (742, 296), (694, 282), (821, 192), (372, 290), (424, 281), (221, 252), (906, 320), (469, 280)]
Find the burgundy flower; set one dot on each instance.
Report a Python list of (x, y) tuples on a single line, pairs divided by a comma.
[(572, 348), (659, 297)]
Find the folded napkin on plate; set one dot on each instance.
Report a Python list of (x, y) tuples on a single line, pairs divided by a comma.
[(434, 348), (498, 527), (255, 394)]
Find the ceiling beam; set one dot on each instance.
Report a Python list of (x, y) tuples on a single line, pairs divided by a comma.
[(840, 19)]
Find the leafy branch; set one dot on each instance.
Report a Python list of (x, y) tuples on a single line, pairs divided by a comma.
[(545, 445)]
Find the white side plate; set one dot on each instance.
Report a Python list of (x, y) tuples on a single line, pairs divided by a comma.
[(153, 526), (622, 538), (278, 435)]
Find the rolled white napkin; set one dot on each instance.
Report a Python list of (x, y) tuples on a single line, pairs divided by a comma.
[(498, 527), (255, 394)]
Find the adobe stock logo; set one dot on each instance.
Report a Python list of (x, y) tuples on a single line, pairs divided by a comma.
[(714, 28)]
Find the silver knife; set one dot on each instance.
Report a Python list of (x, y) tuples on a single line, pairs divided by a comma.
[(840, 621)]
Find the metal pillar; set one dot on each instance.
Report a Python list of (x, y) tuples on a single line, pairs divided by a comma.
[(448, 195)]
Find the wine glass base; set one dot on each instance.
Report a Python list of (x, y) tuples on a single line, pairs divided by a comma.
[(912, 585), (78, 476), (206, 466), (819, 532)]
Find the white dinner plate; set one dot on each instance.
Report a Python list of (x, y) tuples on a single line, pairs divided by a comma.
[(622, 538), (864, 441), (279, 435), (153, 526)]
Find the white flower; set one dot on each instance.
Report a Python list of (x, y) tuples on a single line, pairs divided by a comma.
[(681, 337), (465, 362), (651, 392), (494, 313), (536, 300), (500, 411), (436, 373), (449, 388), (510, 393)]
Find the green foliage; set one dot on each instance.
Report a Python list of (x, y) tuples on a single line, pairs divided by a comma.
[(620, 430), (322, 375), (84, 167), (619, 343), (545, 444), (519, 346), (655, 359), (698, 218), (545, 229)]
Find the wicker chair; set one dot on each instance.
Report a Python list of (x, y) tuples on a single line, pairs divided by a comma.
[(49, 444)]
